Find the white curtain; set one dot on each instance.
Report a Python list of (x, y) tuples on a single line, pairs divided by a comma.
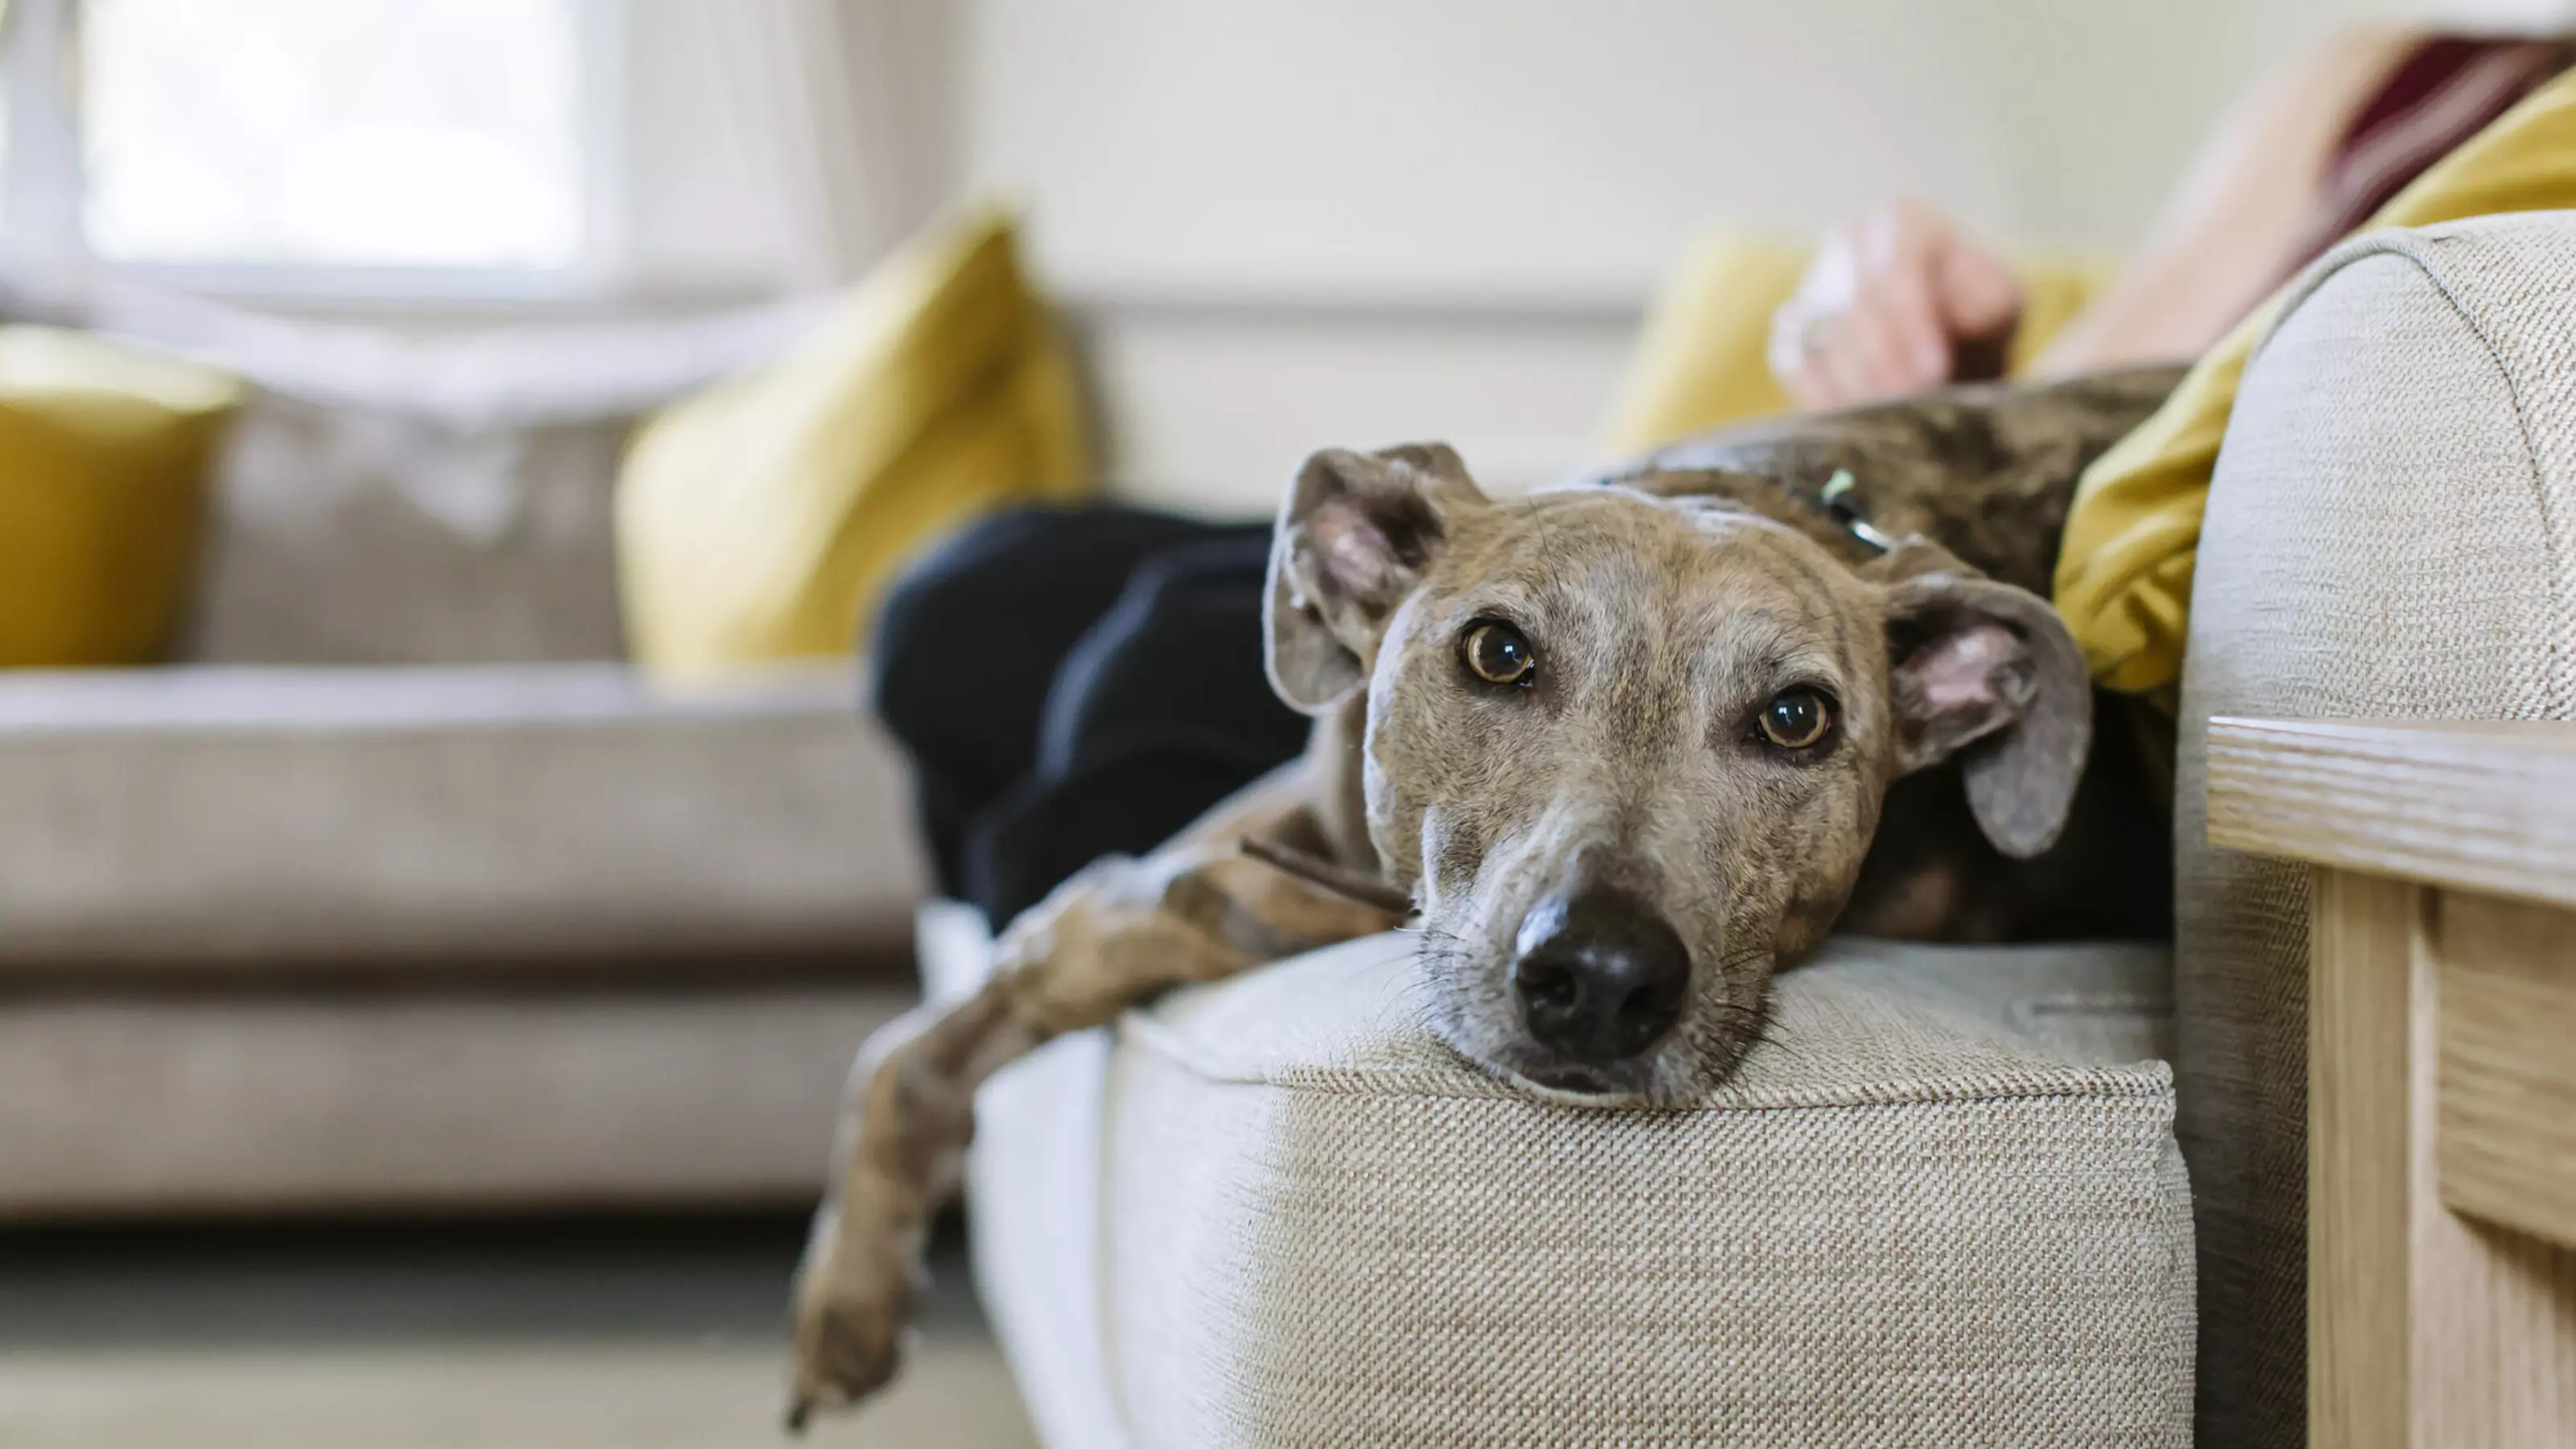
[(849, 111)]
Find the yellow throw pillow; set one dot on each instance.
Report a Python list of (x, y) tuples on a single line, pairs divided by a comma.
[(1700, 362), (105, 451), (2124, 576), (760, 520)]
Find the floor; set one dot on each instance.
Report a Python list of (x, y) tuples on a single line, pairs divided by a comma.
[(563, 1335)]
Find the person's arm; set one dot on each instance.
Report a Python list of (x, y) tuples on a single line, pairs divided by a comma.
[(1887, 300), (1883, 306), (2225, 235)]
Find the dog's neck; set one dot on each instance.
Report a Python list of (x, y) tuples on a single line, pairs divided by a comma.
[(1987, 472)]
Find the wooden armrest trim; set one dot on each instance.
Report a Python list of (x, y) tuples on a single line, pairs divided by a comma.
[(2487, 807)]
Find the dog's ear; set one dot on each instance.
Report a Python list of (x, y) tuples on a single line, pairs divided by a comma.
[(1911, 557), (1354, 534), (1988, 672)]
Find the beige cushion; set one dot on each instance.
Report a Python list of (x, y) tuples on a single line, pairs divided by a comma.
[(2391, 532), (1909, 1222), (466, 819), (348, 534), (429, 1098), (426, 496)]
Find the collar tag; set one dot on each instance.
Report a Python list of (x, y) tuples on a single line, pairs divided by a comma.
[(1837, 500)]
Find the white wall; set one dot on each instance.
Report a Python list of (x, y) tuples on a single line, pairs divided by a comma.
[(1482, 147), (1291, 224), (700, 216)]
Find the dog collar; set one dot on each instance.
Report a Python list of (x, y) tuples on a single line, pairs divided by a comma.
[(1837, 500)]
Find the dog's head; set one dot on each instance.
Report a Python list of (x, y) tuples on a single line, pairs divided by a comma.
[(1628, 753)]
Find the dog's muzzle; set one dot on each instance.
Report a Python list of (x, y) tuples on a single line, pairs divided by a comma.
[(1600, 976)]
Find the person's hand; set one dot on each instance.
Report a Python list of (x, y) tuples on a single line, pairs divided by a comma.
[(1883, 307)]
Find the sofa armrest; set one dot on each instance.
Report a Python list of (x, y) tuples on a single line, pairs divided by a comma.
[(1278, 1210), (2389, 535), (2442, 992)]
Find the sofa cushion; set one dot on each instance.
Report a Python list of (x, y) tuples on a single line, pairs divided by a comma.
[(104, 454), (2391, 532), (423, 1096), (1317, 1226), (762, 518), (394, 496), (352, 534), (462, 818)]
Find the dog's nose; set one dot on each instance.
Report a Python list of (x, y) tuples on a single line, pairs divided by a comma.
[(1600, 976)]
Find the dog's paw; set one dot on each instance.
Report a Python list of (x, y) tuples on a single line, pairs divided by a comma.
[(852, 1302)]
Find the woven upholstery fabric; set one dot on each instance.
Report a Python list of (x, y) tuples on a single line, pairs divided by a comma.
[(2391, 532), (354, 534), (1907, 1222), (436, 498), (471, 820), (427, 1097)]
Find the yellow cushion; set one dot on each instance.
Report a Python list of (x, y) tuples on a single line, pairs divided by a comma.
[(2124, 578), (104, 455), (760, 519), (1700, 362)]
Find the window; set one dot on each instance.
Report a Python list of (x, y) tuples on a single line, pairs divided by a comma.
[(331, 145), (422, 133)]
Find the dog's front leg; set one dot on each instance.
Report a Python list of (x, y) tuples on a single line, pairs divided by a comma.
[(1118, 933)]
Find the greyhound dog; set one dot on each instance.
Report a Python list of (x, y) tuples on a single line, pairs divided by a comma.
[(1623, 749)]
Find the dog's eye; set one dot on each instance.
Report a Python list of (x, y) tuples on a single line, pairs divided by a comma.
[(1797, 720), (1499, 653)]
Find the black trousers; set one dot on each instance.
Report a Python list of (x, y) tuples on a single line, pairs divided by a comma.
[(1071, 683)]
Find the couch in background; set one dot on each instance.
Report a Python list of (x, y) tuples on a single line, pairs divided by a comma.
[(399, 890)]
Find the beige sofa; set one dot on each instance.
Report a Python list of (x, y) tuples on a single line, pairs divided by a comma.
[(1949, 1209), (2393, 535), (400, 892)]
